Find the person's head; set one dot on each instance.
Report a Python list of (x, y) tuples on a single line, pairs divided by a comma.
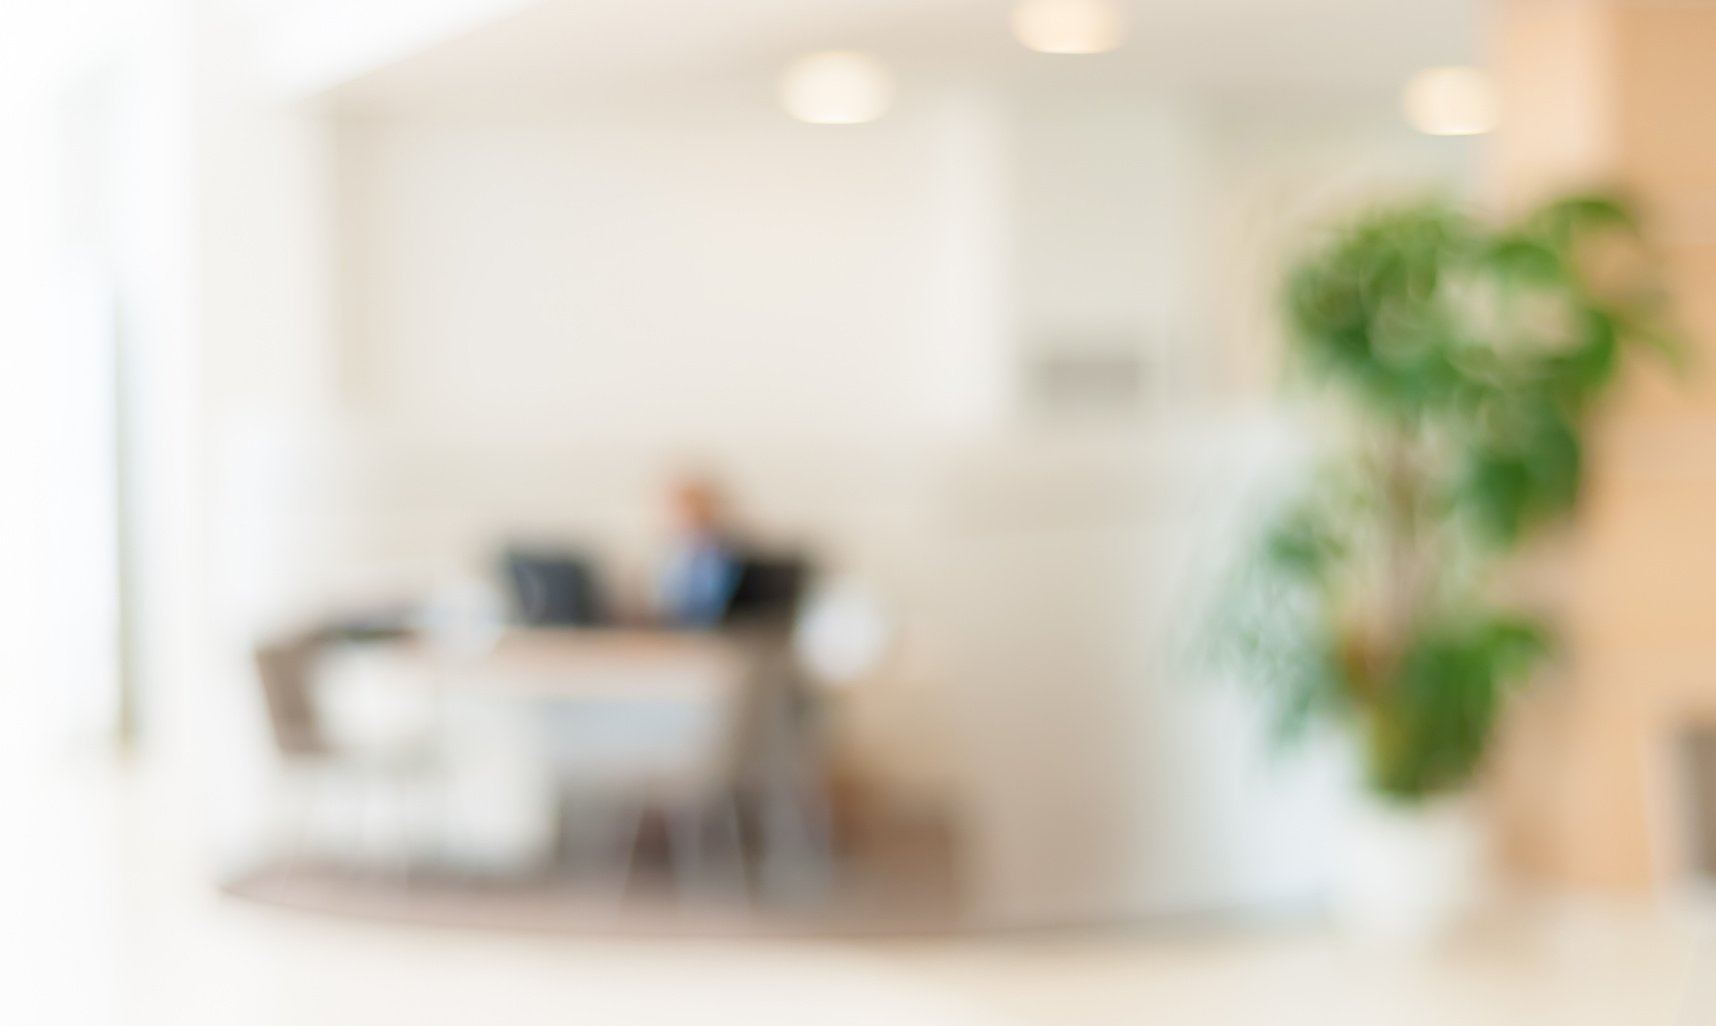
[(698, 507)]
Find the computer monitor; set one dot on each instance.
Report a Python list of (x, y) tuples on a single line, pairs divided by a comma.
[(768, 589), (554, 589)]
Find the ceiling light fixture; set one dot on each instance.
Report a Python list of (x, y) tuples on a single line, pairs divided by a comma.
[(1451, 101), (837, 87), (1070, 26)]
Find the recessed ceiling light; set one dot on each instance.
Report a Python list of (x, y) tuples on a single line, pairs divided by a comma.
[(837, 87), (1070, 26), (1451, 101)]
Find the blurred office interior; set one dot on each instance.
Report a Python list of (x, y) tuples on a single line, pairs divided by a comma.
[(758, 471)]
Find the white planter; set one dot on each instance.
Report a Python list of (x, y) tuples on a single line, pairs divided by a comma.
[(1410, 873)]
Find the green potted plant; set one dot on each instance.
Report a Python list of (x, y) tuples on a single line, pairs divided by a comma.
[(1455, 364)]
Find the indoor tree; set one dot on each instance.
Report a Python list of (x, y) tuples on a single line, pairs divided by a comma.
[(1457, 363)]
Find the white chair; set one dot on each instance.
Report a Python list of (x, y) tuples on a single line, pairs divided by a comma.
[(321, 771), (620, 760)]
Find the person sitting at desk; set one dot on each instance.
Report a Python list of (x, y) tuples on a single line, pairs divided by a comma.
[(703, 563)]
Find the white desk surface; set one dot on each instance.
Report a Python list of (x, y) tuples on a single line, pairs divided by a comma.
[(578, 664)]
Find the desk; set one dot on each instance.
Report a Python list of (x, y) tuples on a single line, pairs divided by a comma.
[(583, 664), (691, 720)]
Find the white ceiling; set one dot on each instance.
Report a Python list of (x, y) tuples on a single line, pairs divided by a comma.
[(1248, 47)]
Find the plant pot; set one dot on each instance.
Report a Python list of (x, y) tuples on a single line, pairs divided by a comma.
[(1410, 873)]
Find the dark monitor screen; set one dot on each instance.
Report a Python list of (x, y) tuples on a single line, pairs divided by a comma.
[(766, 589), (553, 590)]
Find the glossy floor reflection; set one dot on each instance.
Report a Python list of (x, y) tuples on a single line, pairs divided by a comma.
[(112, 922)]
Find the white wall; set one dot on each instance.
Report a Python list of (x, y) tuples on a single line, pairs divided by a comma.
[(1112, 210), (692, 266), (1106, 773)]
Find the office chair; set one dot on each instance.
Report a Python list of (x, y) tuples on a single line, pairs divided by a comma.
[(312, 761)]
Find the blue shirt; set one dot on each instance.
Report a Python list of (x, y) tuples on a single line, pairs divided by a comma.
[(699, 583)]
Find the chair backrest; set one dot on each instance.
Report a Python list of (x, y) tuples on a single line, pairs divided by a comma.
[(284, 669), (760, 618), (554, 589), (764, 728)]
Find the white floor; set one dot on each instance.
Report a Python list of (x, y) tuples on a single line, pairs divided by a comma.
[(106, 919)]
